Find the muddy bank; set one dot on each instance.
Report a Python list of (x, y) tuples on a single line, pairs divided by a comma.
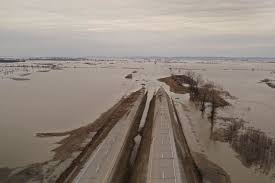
[(200, 91), (191, 169), (210, 171), (19, 79), (175, 82), (75, 148)]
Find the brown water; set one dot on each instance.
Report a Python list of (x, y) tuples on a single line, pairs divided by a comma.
[(53, 101), (67, 99), (255, 104)]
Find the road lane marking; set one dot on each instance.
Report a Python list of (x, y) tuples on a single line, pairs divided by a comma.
[(85, 168)]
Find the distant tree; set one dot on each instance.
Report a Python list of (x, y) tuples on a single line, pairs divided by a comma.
[(191, 82), (213, 111)]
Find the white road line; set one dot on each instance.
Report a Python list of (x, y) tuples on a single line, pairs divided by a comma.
[(85, 168), (174, 170), (115, 158), (153, 140), (163, 125)]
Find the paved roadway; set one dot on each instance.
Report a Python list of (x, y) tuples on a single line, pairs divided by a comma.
[(103, 162), (163, 161)]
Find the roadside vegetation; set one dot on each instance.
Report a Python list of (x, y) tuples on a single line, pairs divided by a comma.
[(269, 82), (254, 147)]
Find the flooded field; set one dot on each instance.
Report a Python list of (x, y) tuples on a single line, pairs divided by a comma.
[(51, 96), (52, 101)]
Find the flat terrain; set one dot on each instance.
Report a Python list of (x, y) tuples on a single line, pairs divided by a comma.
[(91, 124)]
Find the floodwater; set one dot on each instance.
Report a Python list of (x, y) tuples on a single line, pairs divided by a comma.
[(53, 101), (255, 101), (66, 99), (255, 104)]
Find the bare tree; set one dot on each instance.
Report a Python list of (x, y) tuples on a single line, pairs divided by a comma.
[(213, 111), (191, 81)]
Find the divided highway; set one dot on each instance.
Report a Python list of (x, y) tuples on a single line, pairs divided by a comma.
[(163, 155)]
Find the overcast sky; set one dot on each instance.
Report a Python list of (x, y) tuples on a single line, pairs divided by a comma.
[(137, 28)]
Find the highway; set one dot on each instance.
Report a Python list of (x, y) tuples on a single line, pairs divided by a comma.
[(163, 161), (103, 162)]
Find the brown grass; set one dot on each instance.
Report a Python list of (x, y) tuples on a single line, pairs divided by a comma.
[(175, 82), (254, 147)]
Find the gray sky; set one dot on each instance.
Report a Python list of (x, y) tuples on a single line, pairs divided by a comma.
[(137, 28)]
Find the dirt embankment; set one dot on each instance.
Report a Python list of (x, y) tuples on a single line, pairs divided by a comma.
[(210, 171), (191, 170), (138, 172), (196, 166), (74, 149), (175, 82), (182, 84)]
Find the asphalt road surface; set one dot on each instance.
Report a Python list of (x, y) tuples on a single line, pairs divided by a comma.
[(163, 161), (104, 160)]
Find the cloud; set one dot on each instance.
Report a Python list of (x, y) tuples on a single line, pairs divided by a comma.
[(90, 22)]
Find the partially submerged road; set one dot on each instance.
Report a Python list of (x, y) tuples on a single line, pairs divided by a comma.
[(163, 160), (104, 161), (163, 155)]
